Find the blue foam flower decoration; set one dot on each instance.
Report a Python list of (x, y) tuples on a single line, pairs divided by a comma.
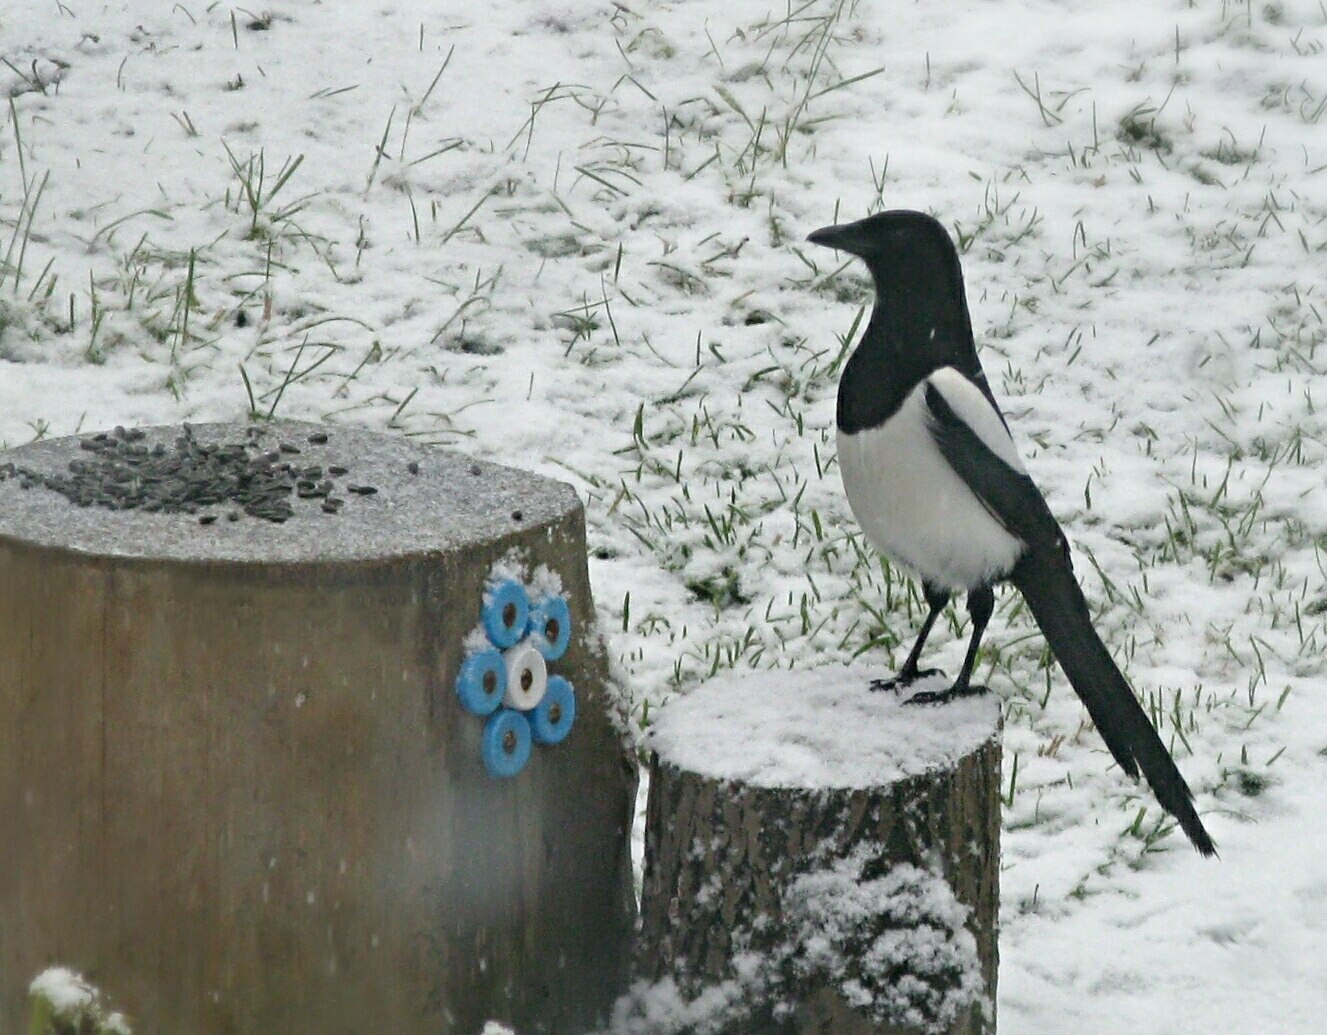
[(550, 627), (505, 746), (506, 613), (552, 718), (481, 682)]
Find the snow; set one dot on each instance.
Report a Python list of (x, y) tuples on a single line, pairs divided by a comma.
[(820, 727), (66, 991), (545, 583), (574, 246), (895, 947), (661, 1008), (476, 640), (510, 567), (73, 1000)]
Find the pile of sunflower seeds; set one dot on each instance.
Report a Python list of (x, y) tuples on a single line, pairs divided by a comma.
[(122, 472)]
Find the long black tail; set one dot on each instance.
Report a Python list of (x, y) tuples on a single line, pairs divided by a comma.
[(1052, 594)]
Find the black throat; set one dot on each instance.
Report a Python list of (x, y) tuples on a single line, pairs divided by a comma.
[(919, 324)]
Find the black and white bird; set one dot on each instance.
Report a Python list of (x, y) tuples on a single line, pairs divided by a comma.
[(934, 479)]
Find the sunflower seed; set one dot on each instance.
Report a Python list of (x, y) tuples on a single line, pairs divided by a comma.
[(120, 470)]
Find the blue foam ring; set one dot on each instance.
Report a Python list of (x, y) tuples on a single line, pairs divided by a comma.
[(481, 682), (548, 614), (506, 743), (506, 612), (552, 718)]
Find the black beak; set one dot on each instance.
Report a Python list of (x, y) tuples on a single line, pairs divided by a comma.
[(845, 237)]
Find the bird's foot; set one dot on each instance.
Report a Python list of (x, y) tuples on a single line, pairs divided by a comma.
[(942, 696), (903, 679)]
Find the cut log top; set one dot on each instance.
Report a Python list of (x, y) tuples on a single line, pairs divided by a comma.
[(426, 501), (817, 728)]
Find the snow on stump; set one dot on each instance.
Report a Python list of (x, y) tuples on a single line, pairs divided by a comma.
[(63, 1003), (305, 730), (820, 858)]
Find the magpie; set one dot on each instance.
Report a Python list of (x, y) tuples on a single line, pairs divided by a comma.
[(934, 479)]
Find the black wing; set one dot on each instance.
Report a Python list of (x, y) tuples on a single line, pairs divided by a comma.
[(1012, 498), (1044, 575)]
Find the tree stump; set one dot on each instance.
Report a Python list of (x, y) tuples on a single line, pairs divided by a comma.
[(238, 788), (820, 858)]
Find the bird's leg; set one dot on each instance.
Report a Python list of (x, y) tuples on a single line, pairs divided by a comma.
[(981, 602), (936, 599)]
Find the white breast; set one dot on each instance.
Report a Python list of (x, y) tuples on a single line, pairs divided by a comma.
[(911, 504)]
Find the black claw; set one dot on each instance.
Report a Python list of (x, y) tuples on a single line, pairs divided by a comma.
[(903, 679), (942, 696)]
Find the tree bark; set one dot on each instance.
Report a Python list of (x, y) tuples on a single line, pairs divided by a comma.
[(237, 788), (733, 868)]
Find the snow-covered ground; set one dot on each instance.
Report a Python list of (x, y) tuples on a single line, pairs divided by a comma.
[(567, 236)]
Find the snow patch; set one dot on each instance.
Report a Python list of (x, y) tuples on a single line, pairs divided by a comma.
[(545, 582), (66, 996), (65, 991), (816, 728), (476, 640), (510, 566), (895, 947), (661, 1008)]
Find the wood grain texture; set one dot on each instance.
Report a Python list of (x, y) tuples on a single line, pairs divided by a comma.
[(242, 797)]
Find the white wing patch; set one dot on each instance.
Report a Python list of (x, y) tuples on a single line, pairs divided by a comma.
[(975, 410)]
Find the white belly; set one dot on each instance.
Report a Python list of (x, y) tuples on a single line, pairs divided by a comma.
[(913, 507)]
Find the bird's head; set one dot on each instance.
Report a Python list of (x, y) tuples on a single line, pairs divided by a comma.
[(918, 282), (896, 245)]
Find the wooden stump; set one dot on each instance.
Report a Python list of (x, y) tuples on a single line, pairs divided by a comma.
[(237, 789), (821, 858)]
